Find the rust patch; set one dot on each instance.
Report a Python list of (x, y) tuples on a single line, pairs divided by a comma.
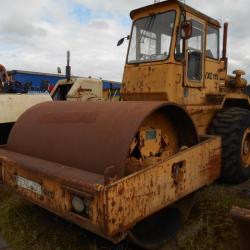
[(69, 118)]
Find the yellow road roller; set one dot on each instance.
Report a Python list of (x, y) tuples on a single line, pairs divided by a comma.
[(130, 169)]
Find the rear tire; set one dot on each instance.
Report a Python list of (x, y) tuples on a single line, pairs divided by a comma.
[(160, 229), (233, 125)]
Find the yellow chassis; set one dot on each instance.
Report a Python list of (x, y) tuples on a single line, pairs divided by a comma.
[(114, 208)]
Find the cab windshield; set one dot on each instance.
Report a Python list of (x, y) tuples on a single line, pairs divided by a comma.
[(151, 38)]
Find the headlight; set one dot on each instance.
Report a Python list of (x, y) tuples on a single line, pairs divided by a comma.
[(78, 204)]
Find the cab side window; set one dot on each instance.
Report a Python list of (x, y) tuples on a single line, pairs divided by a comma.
[(213, 41), (195, 52)]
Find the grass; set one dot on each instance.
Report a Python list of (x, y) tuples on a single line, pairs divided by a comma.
[(210, 225), (26, 226)]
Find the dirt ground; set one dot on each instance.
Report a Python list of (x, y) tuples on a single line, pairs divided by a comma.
[(26, 226)]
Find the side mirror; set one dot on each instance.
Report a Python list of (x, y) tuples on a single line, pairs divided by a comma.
[(121, 41), (186, 29), (59, 70)]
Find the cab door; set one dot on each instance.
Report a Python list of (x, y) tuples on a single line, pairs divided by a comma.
[(194, 53)]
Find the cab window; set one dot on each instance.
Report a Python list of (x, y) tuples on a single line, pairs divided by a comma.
[(151, 38), (195, 52), (212, 50)]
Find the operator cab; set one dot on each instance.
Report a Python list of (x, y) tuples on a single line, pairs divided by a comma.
[(171, 43)]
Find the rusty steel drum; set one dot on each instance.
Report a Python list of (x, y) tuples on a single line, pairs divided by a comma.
[(90, 136)]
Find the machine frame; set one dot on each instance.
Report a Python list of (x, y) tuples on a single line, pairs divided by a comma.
[(111, 207)]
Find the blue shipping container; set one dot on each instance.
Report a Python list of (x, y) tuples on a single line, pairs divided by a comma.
[(37, 80)]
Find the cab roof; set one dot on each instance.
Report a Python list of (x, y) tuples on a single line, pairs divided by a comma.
[(183, 6)]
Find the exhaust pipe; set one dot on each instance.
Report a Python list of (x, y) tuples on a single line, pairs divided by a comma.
[(68, 67), (224, 52)]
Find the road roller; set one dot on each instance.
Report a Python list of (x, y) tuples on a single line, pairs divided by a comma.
[(14, 104), (130, 169)]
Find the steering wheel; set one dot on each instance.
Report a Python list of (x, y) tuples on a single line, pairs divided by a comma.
[(158, 56)]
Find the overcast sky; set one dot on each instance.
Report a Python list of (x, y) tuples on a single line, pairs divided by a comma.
[(34, 35)]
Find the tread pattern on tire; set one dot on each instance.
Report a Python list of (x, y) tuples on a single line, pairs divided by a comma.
[(230, 124)]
